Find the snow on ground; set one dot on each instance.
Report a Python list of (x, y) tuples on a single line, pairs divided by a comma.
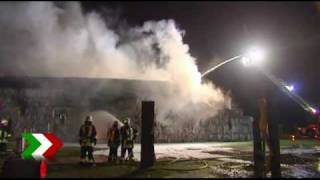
[(232, 172), (225, 159), (178, 150), (175, 150), (196, 151), (204, 151), (301, 150), (301, 171), (188, 150)]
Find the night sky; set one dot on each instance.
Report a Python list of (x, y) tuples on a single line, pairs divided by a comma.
[(288, 30)]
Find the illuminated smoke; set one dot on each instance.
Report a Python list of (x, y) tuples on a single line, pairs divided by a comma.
[(43, 39)]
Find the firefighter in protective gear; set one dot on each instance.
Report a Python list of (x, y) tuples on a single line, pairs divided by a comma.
[(113, 142), (88, 139), (4, 135), (128, 135)]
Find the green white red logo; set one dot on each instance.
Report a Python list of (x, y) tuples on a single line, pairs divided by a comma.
[(41, 146)]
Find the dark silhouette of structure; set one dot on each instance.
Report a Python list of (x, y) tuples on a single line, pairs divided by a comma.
[(147, 134)]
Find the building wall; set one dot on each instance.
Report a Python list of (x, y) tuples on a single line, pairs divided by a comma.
[(38, 109), (229, 125)]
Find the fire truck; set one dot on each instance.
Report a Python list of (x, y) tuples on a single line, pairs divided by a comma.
[(311, 130)]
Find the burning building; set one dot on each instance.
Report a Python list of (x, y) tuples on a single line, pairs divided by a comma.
[(227, 125), (59, 105)]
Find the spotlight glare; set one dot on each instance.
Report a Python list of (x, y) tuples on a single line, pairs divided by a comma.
[(313, 110), (290, 88), (245, 61), (256, 54)]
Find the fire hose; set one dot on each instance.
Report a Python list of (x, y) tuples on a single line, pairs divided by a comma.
[(203, 162), (204, 166)]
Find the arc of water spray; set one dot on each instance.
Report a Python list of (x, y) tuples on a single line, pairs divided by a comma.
[(217, 66)]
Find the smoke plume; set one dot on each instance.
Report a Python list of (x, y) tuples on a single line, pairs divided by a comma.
[(46, 39)]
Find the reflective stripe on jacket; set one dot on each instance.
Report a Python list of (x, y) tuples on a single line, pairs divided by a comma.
[(127, 137), (3, 136)]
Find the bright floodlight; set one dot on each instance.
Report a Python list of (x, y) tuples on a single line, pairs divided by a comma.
[(313, 110), (254, 56), (290, 88), (246, 61)]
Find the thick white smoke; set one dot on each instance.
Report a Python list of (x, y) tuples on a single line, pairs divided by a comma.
[(43, 39)]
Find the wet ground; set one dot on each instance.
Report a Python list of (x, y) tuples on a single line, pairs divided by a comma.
[(292, 167), (190, 160), (221, 160)]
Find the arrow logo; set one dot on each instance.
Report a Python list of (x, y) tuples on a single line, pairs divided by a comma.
[(41, 146), (56, 145)]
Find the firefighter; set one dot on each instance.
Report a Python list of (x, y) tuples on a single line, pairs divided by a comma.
[(88, 139), (128, 135), (4, 135), (113, 142)]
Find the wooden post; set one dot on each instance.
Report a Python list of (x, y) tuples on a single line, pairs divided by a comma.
[(258, 154), (274, 148), (147, 135)]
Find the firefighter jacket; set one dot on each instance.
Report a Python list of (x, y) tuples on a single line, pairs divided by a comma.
[(4, 134), (113, 137), (128, 136), (87, 135)]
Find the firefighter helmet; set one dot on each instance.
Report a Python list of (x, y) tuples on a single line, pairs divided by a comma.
[(126, 121), (89, 118)]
